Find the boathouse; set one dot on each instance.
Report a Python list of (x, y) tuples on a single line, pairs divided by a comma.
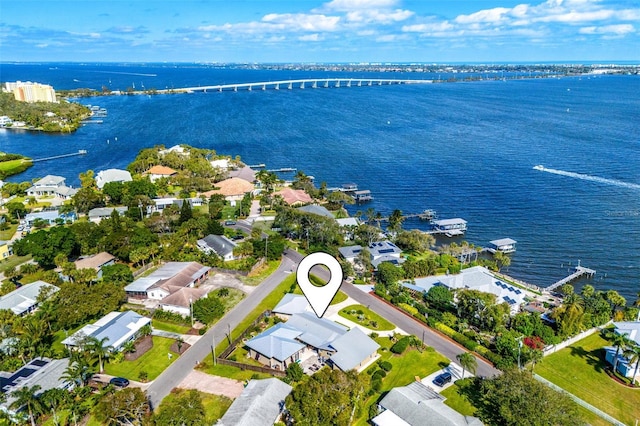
[(450, 227), (503, 245)]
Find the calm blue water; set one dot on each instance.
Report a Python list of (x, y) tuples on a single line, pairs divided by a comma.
[(466, 150)]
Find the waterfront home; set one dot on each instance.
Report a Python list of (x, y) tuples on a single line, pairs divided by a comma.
[(305, 336), (233, 189), (504, 245), (221, 163), (159, 172), (261, 403), (418, 405), (117, 327), (450, 227), (5, 121), (5, 249), (158, 284), (51, 186), (24, 300), (348, 221), (218, 244), (245, 173), (96, 215), (112, 175), (96, 262), (177, 149), (631, 329), (475, 278), (379, 251), (159, 204), (46, 373), (294, 197)]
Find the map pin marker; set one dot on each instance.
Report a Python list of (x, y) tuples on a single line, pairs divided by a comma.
[(319, 297)]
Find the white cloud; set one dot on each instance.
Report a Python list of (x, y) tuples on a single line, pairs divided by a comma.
[(488, 15), (573, 16), (349, 5), (619, 29), (303, 22), (428, 28), (311, 37), (378, 16)]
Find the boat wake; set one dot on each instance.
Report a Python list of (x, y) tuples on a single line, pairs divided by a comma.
[(126, 73), (589, 177)]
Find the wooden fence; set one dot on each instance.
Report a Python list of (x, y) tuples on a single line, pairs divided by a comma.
[(267, 370)]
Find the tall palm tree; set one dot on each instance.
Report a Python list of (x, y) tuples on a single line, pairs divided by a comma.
[(53, 399), (97, 347), (77, 373), (632, 353), (468, 362), (26, 396), (620, 341)]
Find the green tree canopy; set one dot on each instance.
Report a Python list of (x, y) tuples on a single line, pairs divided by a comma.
[(185, 408), (208, 309)]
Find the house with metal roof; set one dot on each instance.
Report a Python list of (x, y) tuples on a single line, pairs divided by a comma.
[(104, 177), (476, 278), (50, 217), (260, 404), (317, 210), (44, 372), (117, 327), (418, 405), (171, 274), (350, 253), (292, 304), (218, 244), (379, 251), (305, 335), (96, 215), (24, 300), (51, 185), (354, 351)]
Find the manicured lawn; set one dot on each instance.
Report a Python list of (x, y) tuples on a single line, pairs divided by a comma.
[(338, 298), (169, 326), (9, 166), (59, 336), (13, 260), (457, 400), (229, 371), (153, 361), (579, 369), (8, 233), (214, 405), (367, 318)]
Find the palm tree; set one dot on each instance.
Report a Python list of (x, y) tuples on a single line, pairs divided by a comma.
[(77, 373), (26, 396), (54, 399), (620, 341), (536, 355), (97, 347), (468, 362), (632, 354)]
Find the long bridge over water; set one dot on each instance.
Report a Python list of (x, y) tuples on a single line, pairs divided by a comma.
[(312, 83)]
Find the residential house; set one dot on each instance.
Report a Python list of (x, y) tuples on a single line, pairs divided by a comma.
[(96, 262), (305, 336), (348, 221), (24, 300), (631, 329), (180, 299), (178, 149), (218, 244), (112, 175), (50, 217), (43, 372), (5, 121), (159, 172), (419, 405), (159, 204), (294, 197), (379, 251), (317, 210), (168, 277), (245, 173), (261, 403), (221, 163), (51, 186), (292, 304), (117, 328), (476, 278), (5, 249), (233, 189), (96, 215)]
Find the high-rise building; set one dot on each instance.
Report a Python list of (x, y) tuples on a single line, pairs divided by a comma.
[(31, 92)]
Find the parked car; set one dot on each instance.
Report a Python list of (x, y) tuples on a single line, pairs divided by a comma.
[(120, 382), (442, 379), (229, 222)]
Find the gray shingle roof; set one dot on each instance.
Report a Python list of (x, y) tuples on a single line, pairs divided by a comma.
[(219, 244), (419, 405), (24, 298), (259, 404), (189, 270), (317, 332), (292, 304), (277, 342), (317, 210), (106, 211), (112, 175), (352, 348), (50, 180), (350, 252)]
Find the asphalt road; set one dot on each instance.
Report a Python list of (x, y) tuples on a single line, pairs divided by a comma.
[(181, 368), (412, 326)]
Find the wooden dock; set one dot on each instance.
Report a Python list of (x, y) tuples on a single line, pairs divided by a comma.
[(578, 272), (425, 215), (54, 157)]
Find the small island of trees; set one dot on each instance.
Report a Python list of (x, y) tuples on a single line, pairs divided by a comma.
[(45, 116)]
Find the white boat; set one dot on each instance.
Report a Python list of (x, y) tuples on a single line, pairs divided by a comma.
[(538, 167)]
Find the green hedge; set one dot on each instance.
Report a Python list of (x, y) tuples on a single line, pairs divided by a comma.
[(472, 345), (401, 345)]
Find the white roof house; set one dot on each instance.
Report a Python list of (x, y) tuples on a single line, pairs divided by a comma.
[(629, 328), (177, 274), (23, 300), (476, 278), (292, 304), (379, 251), (222, 163), (348, 221), (51, 185), (112, 175), (117, 327), (96, 215), (419, 405), (260, 404)]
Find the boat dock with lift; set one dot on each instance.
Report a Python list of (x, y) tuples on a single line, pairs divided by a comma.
[(578, 272)]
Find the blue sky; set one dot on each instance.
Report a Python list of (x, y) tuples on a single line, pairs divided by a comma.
[(320, 31)]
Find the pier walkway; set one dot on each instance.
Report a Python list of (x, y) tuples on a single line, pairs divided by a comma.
[(54, 157), (313, 83), (578, 271)]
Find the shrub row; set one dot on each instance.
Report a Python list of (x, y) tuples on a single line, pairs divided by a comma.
[(468, 343)]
